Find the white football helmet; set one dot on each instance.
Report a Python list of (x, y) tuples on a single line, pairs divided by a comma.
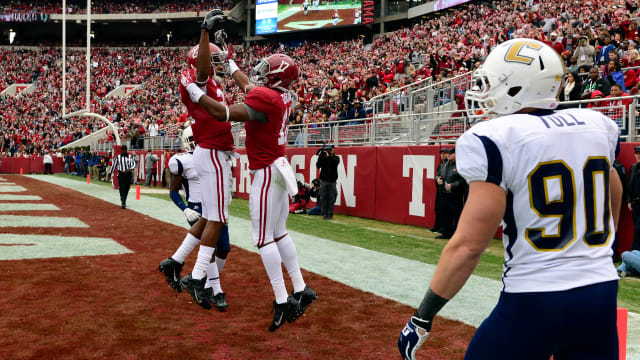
[(188, 144), (517, 74)]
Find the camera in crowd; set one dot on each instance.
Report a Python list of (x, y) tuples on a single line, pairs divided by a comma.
[(325, 150), (314, 186)]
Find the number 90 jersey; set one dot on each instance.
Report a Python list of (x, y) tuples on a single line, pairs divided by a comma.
[(266, 142), (554, 168)]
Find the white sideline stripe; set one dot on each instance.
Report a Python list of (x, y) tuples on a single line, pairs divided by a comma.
[(2, 183), (40, 221), (27, 207), (7, 189), (46, 246), (396, 278), (7, 197)]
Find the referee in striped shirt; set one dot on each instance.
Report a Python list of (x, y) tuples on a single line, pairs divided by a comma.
[(125, 164)]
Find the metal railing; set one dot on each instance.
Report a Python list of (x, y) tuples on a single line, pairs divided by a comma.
[(623, 110), (382, 103), (440, 126), (409, 128), (437, 127), (434, 97), (166, 142)]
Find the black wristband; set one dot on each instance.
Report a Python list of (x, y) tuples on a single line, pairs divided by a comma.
[(430, 305)]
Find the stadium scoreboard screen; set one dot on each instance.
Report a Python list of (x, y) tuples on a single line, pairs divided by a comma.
[(276, 16)]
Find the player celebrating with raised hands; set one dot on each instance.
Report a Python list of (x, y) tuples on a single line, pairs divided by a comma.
[(265, 112), (214, 146), (548, 176)]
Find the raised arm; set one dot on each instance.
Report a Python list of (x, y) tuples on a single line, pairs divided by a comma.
[(203, 62), (241, 79), (210, 23)]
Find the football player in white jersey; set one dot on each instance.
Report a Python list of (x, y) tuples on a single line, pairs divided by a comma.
[(185, 176), (548, 176)]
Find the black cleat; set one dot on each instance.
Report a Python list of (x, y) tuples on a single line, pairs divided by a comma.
[(219, 300), (304, 298), (283, 312), (171, 270), (195, 288)]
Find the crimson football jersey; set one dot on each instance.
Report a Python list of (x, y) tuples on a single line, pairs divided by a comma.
[(265, 142), (208, 132)]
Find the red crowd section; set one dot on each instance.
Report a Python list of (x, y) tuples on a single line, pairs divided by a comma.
[(335, 75), (112, 7)]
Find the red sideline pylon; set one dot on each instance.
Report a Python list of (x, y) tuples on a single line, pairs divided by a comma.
[(622, 332), (20, 171), (88, 179), (137, 192)]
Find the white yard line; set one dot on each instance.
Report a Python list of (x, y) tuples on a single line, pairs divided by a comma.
[(9, 197), (40, 221), (20, 246), (9, 188), (4, 206), (385, 275)]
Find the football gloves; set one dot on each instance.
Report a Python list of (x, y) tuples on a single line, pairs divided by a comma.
[(191, 215), (213, 21), (220, 38), (413, 335)]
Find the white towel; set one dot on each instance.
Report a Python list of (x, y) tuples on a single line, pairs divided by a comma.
[(287, 173)]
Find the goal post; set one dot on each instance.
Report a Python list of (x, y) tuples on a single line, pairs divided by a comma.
[(87, 110)]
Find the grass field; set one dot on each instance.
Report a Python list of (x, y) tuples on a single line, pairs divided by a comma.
[(406, 241)]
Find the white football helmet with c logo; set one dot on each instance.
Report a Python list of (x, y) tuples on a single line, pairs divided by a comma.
[(188, 144), (517, 74)]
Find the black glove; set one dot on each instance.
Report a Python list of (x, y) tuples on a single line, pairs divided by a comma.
[(220, 38), (213, 21)]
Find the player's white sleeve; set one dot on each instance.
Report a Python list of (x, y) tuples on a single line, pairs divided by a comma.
[(175, 166), (614, 139), (478, 158)]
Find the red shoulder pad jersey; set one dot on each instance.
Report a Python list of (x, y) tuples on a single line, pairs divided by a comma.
[(265, 142), (208, 132)]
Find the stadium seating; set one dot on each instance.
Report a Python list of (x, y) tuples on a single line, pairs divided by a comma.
[(334, 73), (112, 7)]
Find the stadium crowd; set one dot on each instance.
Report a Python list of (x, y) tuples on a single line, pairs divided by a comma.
[(338, 78), (112, 7)]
